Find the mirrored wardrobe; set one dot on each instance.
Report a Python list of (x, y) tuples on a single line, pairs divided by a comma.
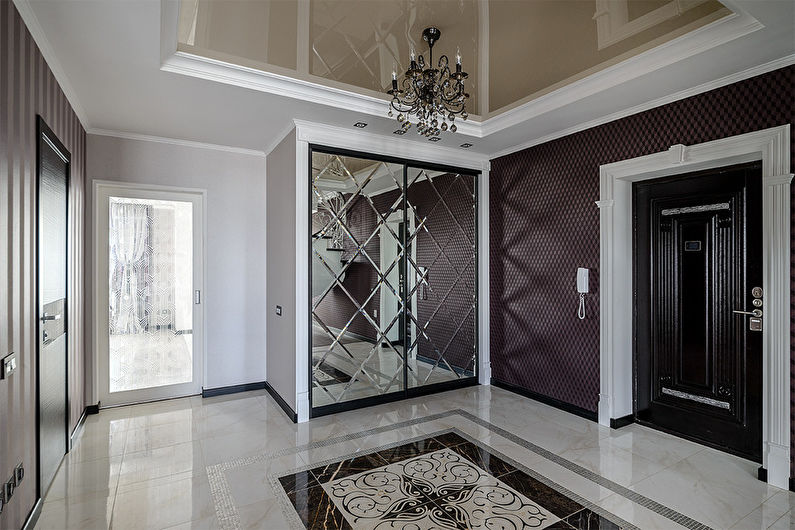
[(393, 281)]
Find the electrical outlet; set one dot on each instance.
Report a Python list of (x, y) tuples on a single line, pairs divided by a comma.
[(8, 490), (8, 365), (375, 313), (19, 474)]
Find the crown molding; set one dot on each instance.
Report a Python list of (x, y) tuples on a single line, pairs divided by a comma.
[(175, 141), (754, 71), (279, 137), (343, 138), (48, 52)]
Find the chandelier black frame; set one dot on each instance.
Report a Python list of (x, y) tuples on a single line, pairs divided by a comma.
[(431, 96)]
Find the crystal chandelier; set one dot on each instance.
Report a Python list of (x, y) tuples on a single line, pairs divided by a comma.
[(431, 97)]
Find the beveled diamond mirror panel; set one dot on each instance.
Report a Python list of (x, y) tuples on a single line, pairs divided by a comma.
[(394, 262), (442, 261), (357, 210)]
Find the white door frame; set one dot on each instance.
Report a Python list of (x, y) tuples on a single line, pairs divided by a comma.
[(101, 191), (772, 147)]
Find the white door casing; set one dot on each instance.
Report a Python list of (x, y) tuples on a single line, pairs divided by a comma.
[(102, 191), (772, 147)]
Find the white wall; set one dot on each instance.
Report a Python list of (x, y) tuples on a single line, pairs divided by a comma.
[(234, 280), (281, 270)]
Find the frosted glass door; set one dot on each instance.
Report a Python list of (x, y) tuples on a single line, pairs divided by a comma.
[(152, 295)]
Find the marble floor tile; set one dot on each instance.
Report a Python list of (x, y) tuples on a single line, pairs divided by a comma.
[(79, 480), (164, 504), (162, 462), (66, 514), (238, 462), (769, 513), (712, 487)]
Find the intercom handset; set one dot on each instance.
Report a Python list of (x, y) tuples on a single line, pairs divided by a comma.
[(582, 288)]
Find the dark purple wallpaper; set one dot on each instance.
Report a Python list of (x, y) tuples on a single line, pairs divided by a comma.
[(544, 224)]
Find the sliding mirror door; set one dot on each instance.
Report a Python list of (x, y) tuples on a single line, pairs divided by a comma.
[(442, 264), (393, 280), (357, 255)]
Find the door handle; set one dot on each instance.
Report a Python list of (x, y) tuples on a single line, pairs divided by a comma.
[(50, 317), (755, 313)]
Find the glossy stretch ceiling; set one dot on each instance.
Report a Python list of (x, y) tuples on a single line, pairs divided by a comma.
[(515, 51)]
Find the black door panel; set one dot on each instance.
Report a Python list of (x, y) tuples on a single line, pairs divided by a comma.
[(697, 257), (52, 296)]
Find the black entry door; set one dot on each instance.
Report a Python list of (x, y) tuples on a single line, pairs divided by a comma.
[(52, 280), (698, 260)]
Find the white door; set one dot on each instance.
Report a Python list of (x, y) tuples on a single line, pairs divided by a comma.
[(148, 292)]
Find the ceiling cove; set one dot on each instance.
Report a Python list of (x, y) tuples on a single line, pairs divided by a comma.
[(341, 52)]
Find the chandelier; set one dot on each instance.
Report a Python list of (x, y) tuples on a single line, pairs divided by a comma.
[(429, 96)]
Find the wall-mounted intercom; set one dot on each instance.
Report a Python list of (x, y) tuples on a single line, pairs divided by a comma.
[(582, 288)]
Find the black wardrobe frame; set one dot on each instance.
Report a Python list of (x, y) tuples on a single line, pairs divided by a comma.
[(406, 393)]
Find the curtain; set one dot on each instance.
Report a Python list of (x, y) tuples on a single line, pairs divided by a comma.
[(130, 249)]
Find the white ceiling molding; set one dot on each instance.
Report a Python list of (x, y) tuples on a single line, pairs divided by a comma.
[(342, 138), (700, 89), (176, 141), (613, 24), (714, 34), (710, 36), (48, 52), (279, 137), (252, 78)]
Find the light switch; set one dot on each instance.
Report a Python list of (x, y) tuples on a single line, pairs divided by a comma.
[(279, 310), (8, 365)]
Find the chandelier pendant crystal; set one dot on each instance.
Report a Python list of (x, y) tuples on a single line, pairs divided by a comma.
[(429, 97)]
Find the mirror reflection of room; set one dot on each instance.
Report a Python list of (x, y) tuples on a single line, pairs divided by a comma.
[(392, 272)]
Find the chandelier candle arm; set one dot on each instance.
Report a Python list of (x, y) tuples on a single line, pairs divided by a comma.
[(430, 96)]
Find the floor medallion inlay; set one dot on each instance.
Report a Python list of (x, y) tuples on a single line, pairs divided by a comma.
[(444, 482)]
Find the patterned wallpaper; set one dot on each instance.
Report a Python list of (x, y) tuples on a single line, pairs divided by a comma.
[(544, 224), (28, 88)]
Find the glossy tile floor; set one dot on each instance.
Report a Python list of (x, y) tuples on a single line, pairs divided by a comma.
[(222, 462)]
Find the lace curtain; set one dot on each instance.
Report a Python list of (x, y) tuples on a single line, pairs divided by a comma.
[(130, 250)]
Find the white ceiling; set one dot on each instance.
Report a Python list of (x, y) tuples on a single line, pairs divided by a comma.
[(107, 56)]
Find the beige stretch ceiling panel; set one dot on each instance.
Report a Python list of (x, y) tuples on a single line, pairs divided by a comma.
[(360, 42), (534, 46), (543, 45)]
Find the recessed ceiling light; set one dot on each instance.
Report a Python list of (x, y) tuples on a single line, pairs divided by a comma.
[(434, 138), (401, 132), (360, 124), (466, 146)]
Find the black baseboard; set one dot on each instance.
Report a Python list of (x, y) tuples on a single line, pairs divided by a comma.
[(562, 405), (76, 431), (282, 403), (89, 410), (33, 516), (617, 423), (232, 389)]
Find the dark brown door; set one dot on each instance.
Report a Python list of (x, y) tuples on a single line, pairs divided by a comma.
[(698, 258), (52, 280)]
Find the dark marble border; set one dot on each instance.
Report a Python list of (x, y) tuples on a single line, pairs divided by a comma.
[(315, 508)]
